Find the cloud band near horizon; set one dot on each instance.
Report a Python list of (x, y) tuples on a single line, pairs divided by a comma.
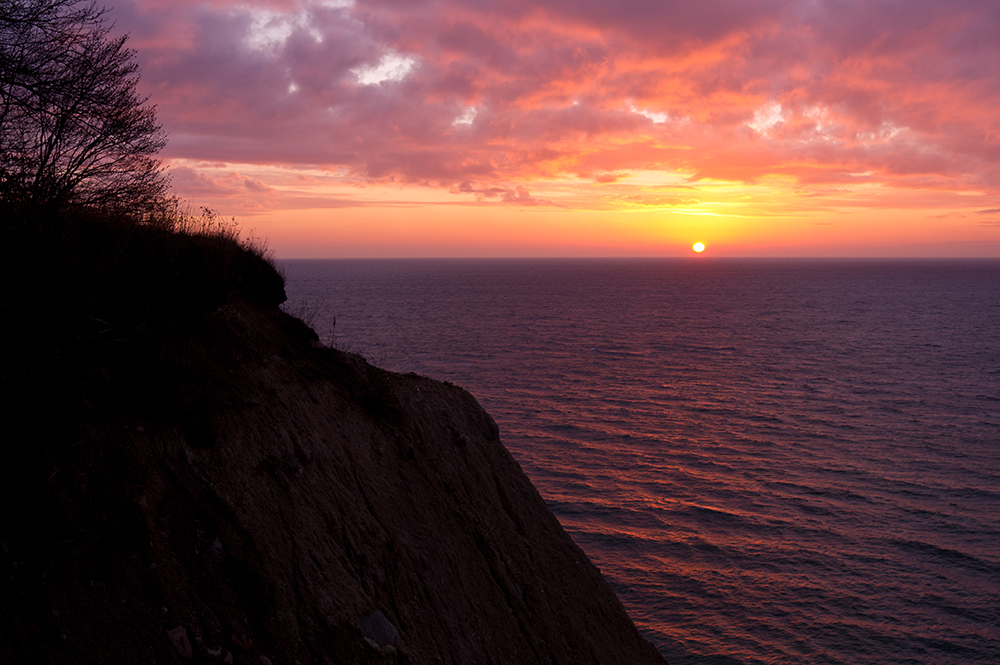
[(481, 96)]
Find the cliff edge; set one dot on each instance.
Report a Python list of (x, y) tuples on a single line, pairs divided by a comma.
[(189, 477)]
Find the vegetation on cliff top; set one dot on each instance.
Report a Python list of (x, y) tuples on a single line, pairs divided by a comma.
[(100, 259), (86, 300), (189, 477)]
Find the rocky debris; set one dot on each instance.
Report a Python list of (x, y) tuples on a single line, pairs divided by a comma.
[(179, 638), (215, 551), (379, 629), (242, 640)]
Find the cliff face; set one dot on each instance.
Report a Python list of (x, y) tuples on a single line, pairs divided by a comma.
[(213, 486)]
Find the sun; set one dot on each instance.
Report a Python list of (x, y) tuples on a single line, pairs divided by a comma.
[(698, 247)]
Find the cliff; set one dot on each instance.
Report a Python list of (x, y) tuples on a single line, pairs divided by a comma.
[(188, 476)]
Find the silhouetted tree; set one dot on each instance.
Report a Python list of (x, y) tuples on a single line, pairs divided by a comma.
[(73, 127)]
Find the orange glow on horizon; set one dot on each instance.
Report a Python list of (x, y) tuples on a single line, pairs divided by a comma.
[(573, 129), (312, 214)]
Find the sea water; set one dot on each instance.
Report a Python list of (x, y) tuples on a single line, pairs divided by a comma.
[(770, 461)]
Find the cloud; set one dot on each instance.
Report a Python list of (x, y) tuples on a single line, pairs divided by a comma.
[(659, 201), (607, 178), (392, 67), (518, 195), (191, 182), (439, 92), (467, 117)]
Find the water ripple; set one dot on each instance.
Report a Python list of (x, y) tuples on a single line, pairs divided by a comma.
[(770, 461)]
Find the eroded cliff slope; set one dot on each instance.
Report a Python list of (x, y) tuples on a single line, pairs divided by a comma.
[(189, 477)]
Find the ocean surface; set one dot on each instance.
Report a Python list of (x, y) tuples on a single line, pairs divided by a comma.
[(770, 461)]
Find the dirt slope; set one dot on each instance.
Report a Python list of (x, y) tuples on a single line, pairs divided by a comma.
[(210, 485)]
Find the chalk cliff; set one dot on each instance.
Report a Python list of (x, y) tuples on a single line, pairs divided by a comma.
[(189, 476)]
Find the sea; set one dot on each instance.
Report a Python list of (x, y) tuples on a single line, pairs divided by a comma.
[(771, 461)]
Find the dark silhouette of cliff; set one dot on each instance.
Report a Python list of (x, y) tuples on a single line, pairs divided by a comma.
[(188, 476)]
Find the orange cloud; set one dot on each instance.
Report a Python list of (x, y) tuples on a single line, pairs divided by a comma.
[(547, 104)]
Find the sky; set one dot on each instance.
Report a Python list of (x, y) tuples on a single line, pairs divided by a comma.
[(398, 128)]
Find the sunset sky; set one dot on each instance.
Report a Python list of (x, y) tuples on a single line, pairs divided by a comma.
[(370, 128)]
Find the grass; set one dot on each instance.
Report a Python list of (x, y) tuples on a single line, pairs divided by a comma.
[(94, 306)]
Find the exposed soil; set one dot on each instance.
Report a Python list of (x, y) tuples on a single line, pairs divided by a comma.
[(188, 476)]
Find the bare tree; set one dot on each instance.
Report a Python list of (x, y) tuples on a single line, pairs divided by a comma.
[(73, 127)]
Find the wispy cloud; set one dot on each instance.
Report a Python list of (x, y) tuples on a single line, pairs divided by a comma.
[(517, 195)]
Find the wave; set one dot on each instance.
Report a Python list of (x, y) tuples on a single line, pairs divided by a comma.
[(771, 462)]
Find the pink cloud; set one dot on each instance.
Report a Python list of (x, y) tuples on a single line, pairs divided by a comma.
[(229, 190), (517, 195), (490, 92), (608, 178)]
